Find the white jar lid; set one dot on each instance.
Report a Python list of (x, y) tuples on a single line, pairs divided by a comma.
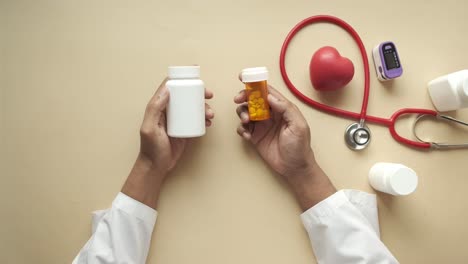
[(464, 88), (403, 181), (254, 74), (181, 72)]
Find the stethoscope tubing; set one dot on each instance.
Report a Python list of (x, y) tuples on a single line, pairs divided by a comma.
[(362, 116), (341, 23)]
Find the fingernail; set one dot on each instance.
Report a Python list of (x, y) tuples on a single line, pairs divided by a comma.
[(244, 117)]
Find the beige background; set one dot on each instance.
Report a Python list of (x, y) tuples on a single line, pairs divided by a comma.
[(75, 78)]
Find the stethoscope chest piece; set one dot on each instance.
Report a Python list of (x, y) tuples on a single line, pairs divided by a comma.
[(357, 136)]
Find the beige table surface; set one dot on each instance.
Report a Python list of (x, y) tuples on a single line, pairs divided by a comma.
[(75, 78)]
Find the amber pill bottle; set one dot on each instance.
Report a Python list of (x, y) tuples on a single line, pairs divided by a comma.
[(256, 86)]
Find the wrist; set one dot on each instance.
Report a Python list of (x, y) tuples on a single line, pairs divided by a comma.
[(312, 186), (302, 175), (144, 182)]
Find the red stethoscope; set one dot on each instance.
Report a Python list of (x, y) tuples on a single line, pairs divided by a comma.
[(357, 135)]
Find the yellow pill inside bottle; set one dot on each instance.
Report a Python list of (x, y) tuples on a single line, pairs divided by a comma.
[(256, 86)]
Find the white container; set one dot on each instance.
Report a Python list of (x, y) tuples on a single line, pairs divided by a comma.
[(450, 92), (186, 109), (392, 178)]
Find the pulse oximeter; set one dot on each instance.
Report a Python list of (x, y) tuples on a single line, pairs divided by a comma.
[(386, 61)]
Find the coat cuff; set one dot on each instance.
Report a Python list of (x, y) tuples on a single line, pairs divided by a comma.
[(135, 208), (365, 203), (324, 209)]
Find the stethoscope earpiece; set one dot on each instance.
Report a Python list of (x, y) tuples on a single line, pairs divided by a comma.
[(357, 136)]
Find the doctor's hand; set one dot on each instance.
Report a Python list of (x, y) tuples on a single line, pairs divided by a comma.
[(283, 142), (159, 153)]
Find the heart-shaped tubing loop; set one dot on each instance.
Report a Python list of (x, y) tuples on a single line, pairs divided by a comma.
[(323, 107)]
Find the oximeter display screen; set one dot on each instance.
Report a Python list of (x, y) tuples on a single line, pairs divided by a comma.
[(390, 61), (390, 56)]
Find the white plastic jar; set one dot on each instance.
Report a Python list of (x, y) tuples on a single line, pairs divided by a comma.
[(393, 178), (450, 92), (186, 109)]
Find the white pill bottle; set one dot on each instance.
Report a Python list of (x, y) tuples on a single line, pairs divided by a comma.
[(186, 108), (393, 178), (450, 92)]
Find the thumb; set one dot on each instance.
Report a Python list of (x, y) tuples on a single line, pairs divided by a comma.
[(282, 107), (290, 114), (163, 99), (163, 102), (156, 110)]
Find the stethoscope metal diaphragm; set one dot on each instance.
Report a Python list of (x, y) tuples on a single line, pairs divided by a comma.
[(357, 136)]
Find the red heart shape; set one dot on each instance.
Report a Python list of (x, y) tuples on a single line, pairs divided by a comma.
[(330, 71)]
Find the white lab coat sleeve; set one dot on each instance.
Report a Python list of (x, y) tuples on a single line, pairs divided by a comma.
[(344, 229), (121, 234)]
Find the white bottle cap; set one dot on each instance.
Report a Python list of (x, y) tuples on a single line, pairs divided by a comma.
[(463, 89), (182, 72), (392, 178), (254, 74), (450, 92)]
